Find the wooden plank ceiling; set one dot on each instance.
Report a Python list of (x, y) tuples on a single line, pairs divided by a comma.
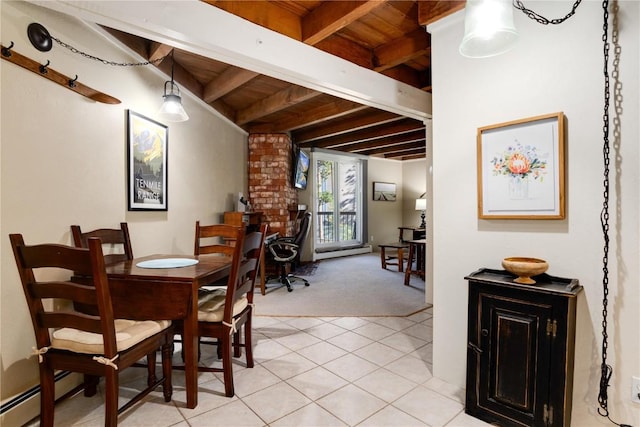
[(386, 36)]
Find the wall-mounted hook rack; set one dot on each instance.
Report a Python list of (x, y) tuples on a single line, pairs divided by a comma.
[(54, 76)]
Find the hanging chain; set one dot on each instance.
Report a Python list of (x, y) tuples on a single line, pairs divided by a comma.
[(605, 369), (104, 61), (541, 19)]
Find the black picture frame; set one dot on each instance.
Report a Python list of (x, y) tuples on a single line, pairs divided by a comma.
[(147, 154)]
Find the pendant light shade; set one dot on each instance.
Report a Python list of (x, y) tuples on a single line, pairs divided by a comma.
[(172, 109), (488, 28)]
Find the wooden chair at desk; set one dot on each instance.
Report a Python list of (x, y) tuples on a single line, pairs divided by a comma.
[(94, 345)]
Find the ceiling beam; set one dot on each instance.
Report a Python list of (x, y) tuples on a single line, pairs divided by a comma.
[(330, 17), (393, 148), (431, 11), (204, 30), (399, 127), (232, 78), (276, 102), (264, 13), (403, 49), (324, 112), (347, 124)]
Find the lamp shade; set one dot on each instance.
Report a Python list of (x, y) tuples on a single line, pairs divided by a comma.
[(421, 204), (488, 28), (172, 109)]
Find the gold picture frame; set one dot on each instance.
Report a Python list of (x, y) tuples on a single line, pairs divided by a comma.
[(521, 169)]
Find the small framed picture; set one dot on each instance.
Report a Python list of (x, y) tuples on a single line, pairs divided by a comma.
[(521, 169), (384, 192), (147, 144)]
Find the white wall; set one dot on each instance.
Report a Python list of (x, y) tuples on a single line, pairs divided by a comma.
[(553, 68), (384, 217), (64, 162), (415, 183)]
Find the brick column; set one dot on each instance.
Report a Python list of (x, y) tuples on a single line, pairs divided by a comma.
[(270, 188)]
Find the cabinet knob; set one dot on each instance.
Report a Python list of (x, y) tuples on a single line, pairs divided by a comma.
[(485, 333)]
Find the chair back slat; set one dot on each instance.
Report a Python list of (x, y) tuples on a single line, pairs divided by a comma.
[(215, 239), (83, 293), (253, 249), (110, 237), (81, 321), (67, 261)]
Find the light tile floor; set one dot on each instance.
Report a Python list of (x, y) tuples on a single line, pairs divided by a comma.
[(348, 371)]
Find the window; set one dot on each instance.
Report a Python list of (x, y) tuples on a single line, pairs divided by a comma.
[(338, 198)]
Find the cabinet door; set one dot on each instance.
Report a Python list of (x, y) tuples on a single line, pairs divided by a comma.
[(514, 358)]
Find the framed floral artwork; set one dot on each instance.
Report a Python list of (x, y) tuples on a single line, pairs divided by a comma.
[(521, 169)]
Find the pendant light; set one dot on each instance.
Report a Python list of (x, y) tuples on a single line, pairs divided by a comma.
[(172, 109), (488, 28)]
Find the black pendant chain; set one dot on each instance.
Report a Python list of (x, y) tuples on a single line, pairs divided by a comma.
[(606, 370), (104, 61), (541, 19)]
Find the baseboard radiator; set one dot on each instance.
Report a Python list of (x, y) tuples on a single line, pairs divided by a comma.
[(19, 410), (335, 253)]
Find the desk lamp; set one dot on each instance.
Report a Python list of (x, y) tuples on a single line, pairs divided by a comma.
[(421, 205)]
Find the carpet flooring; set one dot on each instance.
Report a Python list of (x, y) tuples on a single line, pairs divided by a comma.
[(353, 286)]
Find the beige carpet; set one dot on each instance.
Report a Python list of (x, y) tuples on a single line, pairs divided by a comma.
[(343, 287)]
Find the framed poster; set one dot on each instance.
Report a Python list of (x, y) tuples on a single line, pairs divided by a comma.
[(147, 163), (384, 191), (521, 169)]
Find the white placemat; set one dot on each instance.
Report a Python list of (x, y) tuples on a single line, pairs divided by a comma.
[(167, 263)]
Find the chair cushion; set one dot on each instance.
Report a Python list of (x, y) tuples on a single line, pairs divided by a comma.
[(128, 333), (211, 306)]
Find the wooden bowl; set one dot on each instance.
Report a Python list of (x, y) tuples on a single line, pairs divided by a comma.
[(524, 268)]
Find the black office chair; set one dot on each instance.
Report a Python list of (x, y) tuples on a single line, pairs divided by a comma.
[(287, 250)]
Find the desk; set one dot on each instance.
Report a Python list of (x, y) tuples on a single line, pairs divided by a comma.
[(416, 233), (167, 293), (417, 250)]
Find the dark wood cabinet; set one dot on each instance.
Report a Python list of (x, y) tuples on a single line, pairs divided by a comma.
[(520, 349), (252, 220)]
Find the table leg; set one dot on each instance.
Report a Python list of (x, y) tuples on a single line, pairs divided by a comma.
[(400, 260), (407, 273), (262, 272), (190, 347), (383, 258)]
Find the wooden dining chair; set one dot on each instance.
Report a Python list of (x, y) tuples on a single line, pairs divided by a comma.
[(117, 239), (224, 311), (118, 244), (95, 345), (223, 314)]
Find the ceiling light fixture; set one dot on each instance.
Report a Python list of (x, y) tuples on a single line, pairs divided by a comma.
[(172, 109), (488, 28)]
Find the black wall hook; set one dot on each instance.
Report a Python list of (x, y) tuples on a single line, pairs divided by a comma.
[(6, 51), (43, 68), (72, 82)]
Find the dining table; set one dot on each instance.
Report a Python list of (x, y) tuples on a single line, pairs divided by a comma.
[(163, 287)]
